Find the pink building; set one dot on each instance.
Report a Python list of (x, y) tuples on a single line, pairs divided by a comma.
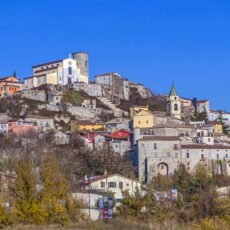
[(20, 127)]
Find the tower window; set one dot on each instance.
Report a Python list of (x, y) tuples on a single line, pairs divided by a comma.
[(86, 63), (175, 107), (70, 70), (175, 98)]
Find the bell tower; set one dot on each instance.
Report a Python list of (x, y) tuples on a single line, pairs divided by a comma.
[(174, 104)]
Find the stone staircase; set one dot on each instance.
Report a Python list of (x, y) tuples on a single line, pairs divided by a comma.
[(117, 111)]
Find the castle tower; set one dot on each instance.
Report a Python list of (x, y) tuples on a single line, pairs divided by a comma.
[(83, 63), (174, 104)]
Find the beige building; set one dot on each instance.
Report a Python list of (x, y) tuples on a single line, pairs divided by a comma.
[(136, 109), (61, 72), (114, 183), (143, 119)]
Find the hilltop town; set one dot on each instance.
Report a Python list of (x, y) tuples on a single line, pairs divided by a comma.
[(109, 134)]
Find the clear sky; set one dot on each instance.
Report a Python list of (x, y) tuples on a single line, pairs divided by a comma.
[(154, 42)]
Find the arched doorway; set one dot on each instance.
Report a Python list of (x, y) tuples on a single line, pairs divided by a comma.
[(162, 168)]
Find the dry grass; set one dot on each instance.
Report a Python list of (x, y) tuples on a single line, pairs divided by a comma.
[(115, 224)]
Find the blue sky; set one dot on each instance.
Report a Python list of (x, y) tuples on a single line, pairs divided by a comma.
[(154, 42)]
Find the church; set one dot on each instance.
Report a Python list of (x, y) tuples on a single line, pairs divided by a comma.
[(174, 104)]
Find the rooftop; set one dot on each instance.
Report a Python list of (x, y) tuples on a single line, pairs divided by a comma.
[(47, 63), (160, 138), (202, 146)]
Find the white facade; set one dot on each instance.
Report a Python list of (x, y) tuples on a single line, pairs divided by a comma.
[(116, 184), (3, 127), (44, 123)]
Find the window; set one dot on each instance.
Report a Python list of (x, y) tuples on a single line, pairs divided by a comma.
[(188, 163), (142, 145), (120, 184), (217, 156), (155, 154), (175, 107), (70, 70), (175, 147), (86, 63), (226, 155), (155, 146), (168, 154), (139, 122), (187, 155), (102, 184), (202, 156), (47, 67), (147, 122), (175, 98), (112, 184)]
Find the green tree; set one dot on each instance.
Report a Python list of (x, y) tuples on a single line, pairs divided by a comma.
[(183, 182), (27, 207), (54, 193), (162, 182)]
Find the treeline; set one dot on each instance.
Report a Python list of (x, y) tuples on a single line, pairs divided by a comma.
[(38, 196), (198, 204)]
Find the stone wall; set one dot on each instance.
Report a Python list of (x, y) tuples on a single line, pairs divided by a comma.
[(94, 90), (34, 94)]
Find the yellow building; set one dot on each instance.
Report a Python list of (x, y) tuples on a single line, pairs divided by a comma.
[(80, 125), (143, 119), (137, 108)]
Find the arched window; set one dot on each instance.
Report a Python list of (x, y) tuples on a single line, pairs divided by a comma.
[(70, 70), (175, 107)]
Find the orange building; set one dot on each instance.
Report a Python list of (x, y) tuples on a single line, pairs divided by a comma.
[(9, 85)]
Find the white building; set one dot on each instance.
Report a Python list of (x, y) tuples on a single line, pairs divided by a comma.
[(44, 123), (61, 72), (114, 183), (3, 127)]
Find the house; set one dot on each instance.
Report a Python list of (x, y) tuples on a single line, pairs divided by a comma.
[(137, 108), (118, 124), (185, 102), (89, 103), (9, 86), (216, 126), (54, 97), (107, 78), (203, 106), (61, 138), (22, 127), (3, 127), (208, 156), (63, 72), (114, 183), (85, 125), (44, 123), (143, 119), (157, 155), (119, 141)]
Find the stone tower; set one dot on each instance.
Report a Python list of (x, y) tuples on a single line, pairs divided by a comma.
[(174, 104), (83, 63)]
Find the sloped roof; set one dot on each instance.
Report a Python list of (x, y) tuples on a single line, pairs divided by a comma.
[(173, 91), (160, 138)]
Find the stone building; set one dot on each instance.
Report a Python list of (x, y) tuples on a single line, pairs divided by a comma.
[(157, 155), (118, 124), (215, 158)]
